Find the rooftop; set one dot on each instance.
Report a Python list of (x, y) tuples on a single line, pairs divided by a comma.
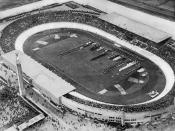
[(40, 75)]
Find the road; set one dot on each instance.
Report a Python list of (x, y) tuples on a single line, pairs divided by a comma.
[(7, 4)]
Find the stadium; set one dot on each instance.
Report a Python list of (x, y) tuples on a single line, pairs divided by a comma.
[(111, 74)]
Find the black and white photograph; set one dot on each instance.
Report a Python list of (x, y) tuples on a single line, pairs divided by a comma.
[(87, 65)]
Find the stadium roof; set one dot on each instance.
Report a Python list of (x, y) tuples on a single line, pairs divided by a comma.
[(40, 75), (143, 30)]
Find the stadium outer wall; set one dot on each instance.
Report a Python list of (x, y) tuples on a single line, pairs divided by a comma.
[(133, 118)]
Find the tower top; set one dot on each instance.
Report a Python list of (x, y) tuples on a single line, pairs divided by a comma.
[(17, 58)]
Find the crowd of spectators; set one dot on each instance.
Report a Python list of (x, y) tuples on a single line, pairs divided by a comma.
[(168, 51), (12, 31), (72, 123), (80, 123), (13, 109)]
